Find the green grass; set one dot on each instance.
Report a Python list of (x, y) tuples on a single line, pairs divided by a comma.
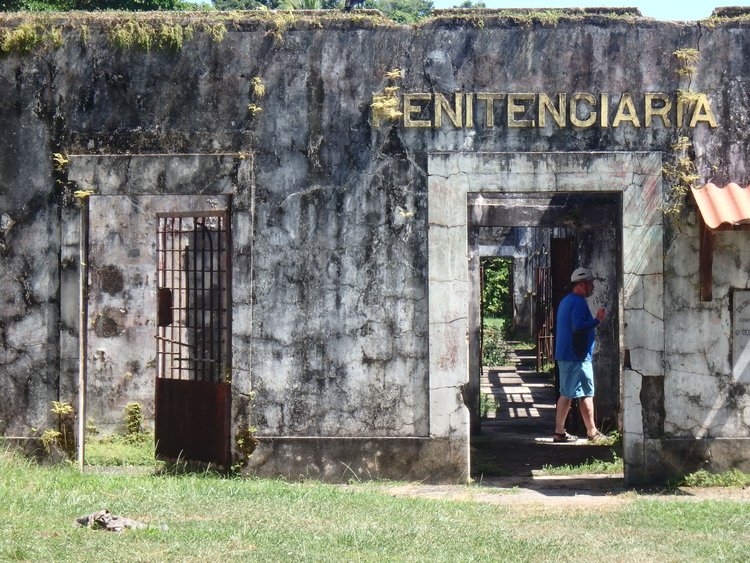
[(702, 478), (118, 450), (494, 323), (599, 466), (198, 517), (495, 348)]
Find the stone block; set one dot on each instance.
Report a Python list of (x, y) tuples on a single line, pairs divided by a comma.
[(632, 412), (647, 362), (643, 330)]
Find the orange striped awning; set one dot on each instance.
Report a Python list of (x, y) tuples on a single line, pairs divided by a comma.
[(727, 206)]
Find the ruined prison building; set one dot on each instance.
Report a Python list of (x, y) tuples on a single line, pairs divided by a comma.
[(262, 226)]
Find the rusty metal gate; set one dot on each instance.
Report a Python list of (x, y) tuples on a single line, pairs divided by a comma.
[(544, 318), (193, 337)]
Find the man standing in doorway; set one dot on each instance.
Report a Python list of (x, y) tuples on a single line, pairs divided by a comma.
[(574, 345)]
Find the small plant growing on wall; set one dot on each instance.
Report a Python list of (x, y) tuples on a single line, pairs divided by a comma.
[(257, 91), (28, 35), (134, 422), (62, 438), (65, 424), (681, 174), (245, 442), (385, 104), (687, 59)]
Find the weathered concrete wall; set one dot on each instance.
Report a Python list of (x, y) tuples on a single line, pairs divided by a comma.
[(338, 333)]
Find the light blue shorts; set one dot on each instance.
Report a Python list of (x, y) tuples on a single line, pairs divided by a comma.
[(576, 379)]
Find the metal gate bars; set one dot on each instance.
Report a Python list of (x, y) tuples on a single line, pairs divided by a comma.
[(192, 296)]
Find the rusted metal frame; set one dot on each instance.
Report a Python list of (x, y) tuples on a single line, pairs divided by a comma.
[(179, 257), (190, 214), (161, 258), (179, 262), (543, 319), (170, 340), (227, 293), (207, 317), (205, 349), (194, 414)]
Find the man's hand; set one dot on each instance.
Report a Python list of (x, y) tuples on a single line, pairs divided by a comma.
[(600, 314)]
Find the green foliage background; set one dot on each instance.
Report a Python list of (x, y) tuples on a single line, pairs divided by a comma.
[(496, 288)]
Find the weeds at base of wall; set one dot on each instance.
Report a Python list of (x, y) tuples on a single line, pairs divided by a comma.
[(66, 417), (58, 443), (590, 467), (134, 421), (245, 443), (703, 478), (134, 447), (119, 451)]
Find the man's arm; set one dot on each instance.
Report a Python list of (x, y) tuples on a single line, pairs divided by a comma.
[(582, 319)]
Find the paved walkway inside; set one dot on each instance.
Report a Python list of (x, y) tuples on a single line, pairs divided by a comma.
[(515, 439), (515, 443)]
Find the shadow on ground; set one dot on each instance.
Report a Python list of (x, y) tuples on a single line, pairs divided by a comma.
[(515, 439)]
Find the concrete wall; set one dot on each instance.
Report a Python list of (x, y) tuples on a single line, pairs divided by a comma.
[(350, 323)]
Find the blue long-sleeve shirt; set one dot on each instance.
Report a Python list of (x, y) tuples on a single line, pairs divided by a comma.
[(575, 330)]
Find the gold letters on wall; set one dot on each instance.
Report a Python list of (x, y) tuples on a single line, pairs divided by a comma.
[(537, 110)]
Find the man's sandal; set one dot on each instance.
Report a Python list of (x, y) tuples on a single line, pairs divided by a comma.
[(597, 437), (564, 437)]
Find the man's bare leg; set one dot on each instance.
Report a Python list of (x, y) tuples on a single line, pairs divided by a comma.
[(563, 406), (586, 404)]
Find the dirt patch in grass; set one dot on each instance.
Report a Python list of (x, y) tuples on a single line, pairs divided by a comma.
[(567, 492)]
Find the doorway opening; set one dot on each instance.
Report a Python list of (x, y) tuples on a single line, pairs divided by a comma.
[(538, 239), (193, 395)]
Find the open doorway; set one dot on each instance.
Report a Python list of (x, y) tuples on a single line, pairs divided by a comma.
[(160, 271), (524, 246)]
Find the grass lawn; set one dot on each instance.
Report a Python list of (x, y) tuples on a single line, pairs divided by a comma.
[(199, 517)]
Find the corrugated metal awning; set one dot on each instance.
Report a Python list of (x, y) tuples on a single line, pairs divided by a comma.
[(723, 207), (726, 208)]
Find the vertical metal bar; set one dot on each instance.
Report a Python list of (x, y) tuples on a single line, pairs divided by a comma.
[(200, 274), (177, 267), (206, 300), (209, 307), (226, 312), (174, 325), (161, 264), (215, 315), (83, 276), (212, 366)]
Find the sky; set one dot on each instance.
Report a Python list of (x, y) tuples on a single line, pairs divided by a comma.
[(683, 10)]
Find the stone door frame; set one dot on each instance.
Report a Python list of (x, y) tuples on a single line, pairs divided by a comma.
[(451, 177), (197, 176)]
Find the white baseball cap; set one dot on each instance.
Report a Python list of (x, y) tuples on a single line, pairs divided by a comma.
[(581, 274)]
